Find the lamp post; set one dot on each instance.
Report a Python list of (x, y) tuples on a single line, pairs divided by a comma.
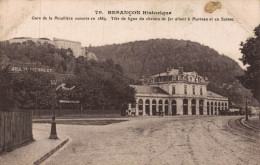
[(53, 134), (246, 110)]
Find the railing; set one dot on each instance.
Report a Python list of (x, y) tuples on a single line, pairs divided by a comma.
[(76, 113), (15, 129)]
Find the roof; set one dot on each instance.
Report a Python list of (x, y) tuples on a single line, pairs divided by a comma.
[(175, 72), (171, 72), (22, 38), (59, 39), (214, 95), (144, 89)]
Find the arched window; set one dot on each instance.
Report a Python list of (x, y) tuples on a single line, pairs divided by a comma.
[(160, 105), (185, 101), (174, 107), (201, 107), (212, 109), (166, 107), (140, 104), (154, 107), (147, 107), (193, 107), (207, 108)]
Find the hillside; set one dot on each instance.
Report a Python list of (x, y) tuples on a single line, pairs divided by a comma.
[(25, 83), (145, 58)]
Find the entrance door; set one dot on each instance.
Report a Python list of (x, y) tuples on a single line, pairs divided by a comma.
[(147, 107), (185, 107), (193, 106), (207, 108), (140, 107), (201, 107), (166, 107), (211, 108), (160, 107), (174, 107), (154, 107)]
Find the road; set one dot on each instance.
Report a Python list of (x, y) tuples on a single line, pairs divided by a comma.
[(184, 140)]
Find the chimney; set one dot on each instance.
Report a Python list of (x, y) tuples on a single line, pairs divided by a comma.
[(180, 70)]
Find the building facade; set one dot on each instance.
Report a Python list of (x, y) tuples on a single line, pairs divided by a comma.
[(176, 93), (75, 46)]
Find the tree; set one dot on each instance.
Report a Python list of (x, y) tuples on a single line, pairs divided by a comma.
[(6, 94), (100, 85), (251, 59)]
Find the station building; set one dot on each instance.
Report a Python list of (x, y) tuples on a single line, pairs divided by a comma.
[(176, 93)]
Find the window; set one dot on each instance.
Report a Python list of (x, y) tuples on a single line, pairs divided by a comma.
[(193, 89), (173, 90), (185, 89), (201, 92)]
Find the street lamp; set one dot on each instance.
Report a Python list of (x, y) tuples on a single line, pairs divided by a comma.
[(246, 109), (53, 134)]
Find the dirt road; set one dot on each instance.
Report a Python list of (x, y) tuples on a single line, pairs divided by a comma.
[(183, 140)]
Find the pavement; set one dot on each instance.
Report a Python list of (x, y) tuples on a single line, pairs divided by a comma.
[(152, 140), (253, 122), (143, 140), (238, 126), (40, 147)]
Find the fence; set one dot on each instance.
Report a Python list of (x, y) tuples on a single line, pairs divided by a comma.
[(76, 113), (15, 129)]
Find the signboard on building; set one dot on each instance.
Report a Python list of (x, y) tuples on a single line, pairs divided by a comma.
[(18, 66)]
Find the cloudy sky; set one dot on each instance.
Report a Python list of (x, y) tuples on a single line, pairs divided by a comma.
[(223, 36)]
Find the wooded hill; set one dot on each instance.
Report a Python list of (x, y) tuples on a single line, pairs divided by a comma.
[(146, 58), (99, 85)]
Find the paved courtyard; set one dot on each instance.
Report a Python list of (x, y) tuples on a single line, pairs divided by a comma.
[(176, 140)]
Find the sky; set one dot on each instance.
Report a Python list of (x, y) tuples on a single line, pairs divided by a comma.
[(16, 20)]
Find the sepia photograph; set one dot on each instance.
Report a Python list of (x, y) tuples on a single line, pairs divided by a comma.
[(129, 82)]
